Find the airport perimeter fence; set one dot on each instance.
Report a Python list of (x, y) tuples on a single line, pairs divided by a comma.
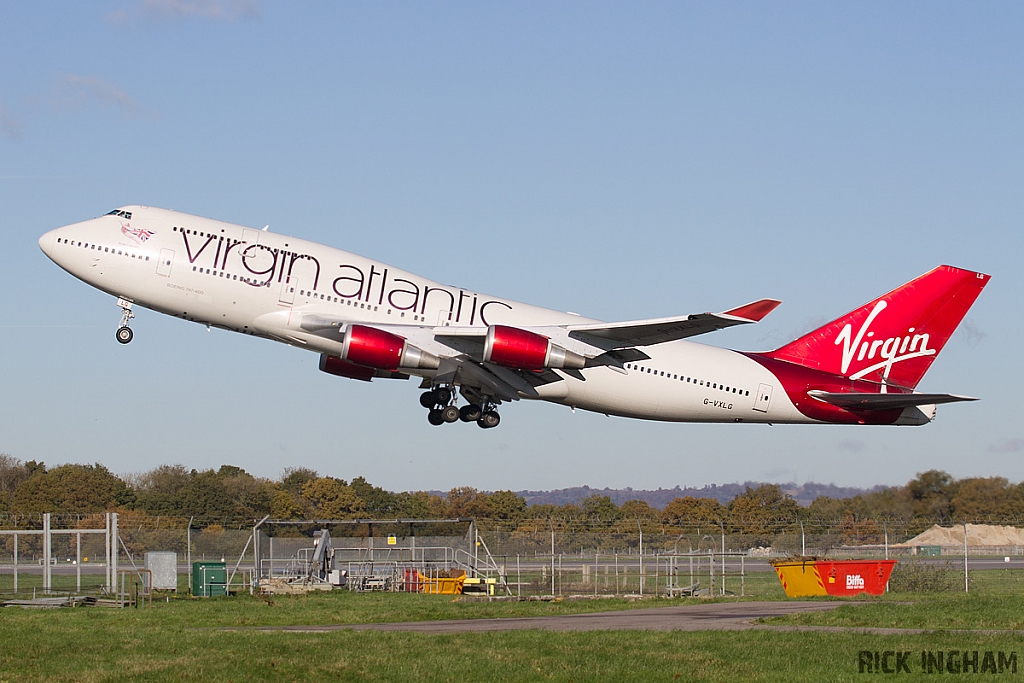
[(532, 557)]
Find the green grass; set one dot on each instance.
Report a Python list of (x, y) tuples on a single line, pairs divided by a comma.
[(98, 645), (928, 611), (180, 640)]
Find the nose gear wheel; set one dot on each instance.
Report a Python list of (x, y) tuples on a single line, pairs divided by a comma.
[(124, 332)]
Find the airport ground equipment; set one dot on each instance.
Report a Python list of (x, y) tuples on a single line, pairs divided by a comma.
[(410, 555), (164, 568), (209, 579)]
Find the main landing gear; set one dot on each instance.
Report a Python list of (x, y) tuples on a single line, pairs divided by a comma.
[(441, 409), (124, 333)]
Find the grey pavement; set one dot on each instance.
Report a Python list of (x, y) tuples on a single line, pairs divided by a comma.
[(722, 616)]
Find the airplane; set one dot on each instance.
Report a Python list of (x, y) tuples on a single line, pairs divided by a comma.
[(368, 320)]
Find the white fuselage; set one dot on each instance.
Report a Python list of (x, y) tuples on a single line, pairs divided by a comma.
[(264, 284)]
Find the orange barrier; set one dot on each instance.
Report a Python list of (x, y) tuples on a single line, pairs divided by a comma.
[(441, 585), (806, 576)]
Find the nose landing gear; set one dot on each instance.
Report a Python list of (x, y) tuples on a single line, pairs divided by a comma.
[(124, 333)]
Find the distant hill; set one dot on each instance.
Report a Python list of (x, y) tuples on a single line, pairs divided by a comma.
[(659, 498)]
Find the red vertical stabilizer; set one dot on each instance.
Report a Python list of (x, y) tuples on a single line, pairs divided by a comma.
[(895, 338)]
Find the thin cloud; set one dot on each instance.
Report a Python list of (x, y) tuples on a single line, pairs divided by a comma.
[(851, 446), (10, 125), (776, 337), (71, 93), (1007, 446), (179, 10), (969, 333)]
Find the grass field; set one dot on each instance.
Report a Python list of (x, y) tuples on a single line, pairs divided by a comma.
[(177, 640)]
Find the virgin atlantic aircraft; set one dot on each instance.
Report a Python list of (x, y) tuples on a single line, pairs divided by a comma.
[(368, 320)]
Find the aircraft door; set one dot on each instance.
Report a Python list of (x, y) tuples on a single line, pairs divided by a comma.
[(163, 265), (763, 398), (288, 289), (250, 236)]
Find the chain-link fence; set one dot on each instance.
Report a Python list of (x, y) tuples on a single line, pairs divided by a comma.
[(535, 557)]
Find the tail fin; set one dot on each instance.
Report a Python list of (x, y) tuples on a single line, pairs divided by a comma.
[(895, 338)]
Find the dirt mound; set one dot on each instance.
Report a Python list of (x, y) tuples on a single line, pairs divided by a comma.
[(977, 534)]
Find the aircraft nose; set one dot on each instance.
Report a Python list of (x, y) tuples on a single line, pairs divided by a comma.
[(46, 242)]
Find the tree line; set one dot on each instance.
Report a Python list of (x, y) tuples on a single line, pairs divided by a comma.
[(230, 494)]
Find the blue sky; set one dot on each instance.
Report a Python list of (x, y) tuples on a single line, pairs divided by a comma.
[(622, 160)]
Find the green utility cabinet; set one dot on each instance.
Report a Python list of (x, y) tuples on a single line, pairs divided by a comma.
[(209, 579)]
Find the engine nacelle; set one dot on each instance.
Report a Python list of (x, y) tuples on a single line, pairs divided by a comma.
[(525, 350), (333, 365), (375, 348)]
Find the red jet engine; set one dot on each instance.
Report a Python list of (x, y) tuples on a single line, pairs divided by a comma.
[(375, 348), (525, 350)]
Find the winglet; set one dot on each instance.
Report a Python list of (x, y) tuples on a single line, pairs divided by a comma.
[(755, 311)]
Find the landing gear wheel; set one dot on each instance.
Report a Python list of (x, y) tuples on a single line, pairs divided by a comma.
[(124, 333), (434, 417), (428, 399), (450, 414), (444, 395), (470, 413), (489, 419)]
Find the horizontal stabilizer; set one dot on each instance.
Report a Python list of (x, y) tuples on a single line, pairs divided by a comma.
[(661, 330), (866, 401)]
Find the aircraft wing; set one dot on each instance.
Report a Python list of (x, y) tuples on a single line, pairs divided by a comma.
[(866, 401), (660, 330)]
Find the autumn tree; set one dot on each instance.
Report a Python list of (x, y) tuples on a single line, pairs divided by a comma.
[(693, 511), (760, 511), (294, 478), (205, 496), (160, 490), (601, 508), (506, 505), (72, 488), (285, 505), (931, 494), (638, 509), (250, 496), (332, 498), (379, 503), (421, 505), (466, 501), (12, 474), (980, 497)]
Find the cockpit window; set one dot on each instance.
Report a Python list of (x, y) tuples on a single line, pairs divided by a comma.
[(122, 214)]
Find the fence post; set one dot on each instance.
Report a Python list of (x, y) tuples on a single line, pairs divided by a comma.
[(188, 552), (106, 555), (966, 586), (552, 524), (641, 554), (114, 540), (47, 578)]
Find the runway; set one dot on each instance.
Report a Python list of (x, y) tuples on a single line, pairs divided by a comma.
[(722, 616)]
